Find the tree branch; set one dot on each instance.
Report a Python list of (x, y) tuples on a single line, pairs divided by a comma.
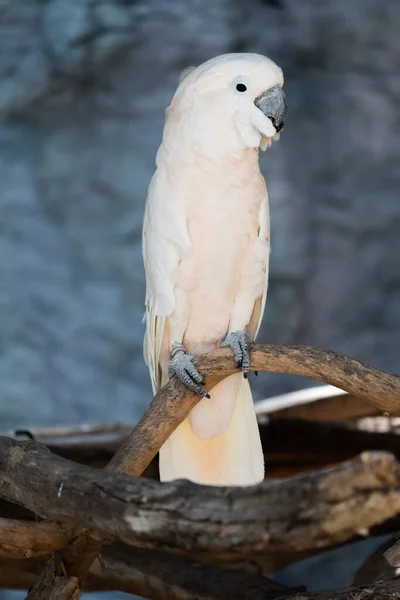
[(162, 576), (274, 523), (174, 402), (24, 539), (381, 590), (157, 575), (290, 445), (392, 554)]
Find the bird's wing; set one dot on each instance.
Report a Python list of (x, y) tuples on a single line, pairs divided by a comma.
[(259, 305), (165, 243)]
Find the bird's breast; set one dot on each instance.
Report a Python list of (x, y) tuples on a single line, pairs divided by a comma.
[(222, 223)]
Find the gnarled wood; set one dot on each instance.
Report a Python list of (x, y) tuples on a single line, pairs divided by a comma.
[(274, 523), (392, 554), (24, 539), (381, 590), (174, 402), (155, 574), (291, 445), (164, 577)]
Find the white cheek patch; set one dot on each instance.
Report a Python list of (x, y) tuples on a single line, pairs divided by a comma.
[(250, 136), (262, 123), (255, 129)]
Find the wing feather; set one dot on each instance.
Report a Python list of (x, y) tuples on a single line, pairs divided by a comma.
[(165, 242), (259, 305)]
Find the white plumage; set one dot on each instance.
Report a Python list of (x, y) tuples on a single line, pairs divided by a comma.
[(206, 253)]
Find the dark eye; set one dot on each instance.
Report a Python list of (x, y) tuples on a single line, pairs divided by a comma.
[(241, 87)]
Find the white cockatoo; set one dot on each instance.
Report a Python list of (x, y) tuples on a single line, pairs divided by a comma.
[(206, 252)]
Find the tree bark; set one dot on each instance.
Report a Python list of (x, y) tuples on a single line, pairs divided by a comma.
[(381, 590), (392, 555), (25, 539), (155, 574), (274, 523), (174, 402), (290, 445), (163, 576)]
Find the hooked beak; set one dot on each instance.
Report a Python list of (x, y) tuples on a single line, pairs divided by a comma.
[(273, 104)]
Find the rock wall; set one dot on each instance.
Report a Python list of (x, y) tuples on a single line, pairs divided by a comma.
[(83, 87)]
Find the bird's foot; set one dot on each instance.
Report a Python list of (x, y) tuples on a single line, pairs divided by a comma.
[(181, 365), (238, 341)]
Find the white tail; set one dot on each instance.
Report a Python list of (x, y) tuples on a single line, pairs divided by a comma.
[(219, 443)]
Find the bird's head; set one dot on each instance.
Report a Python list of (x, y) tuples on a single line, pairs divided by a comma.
[(234, 94)]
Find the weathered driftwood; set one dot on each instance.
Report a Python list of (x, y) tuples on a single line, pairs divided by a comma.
[(56, 588), (274, 523), (154, 574), (161, 576), (88, 442), (173, 403), (284, 455), (290, 445), (381, 590), (392, 554), (24, 539)]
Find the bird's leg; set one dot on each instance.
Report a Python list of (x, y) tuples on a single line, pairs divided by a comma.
[(238, 341), (181, 365)]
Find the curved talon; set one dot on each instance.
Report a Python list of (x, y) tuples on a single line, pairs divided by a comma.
[(237, 340), (181, 365)]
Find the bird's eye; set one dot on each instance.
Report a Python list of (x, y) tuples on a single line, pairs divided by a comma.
[(241, 87)]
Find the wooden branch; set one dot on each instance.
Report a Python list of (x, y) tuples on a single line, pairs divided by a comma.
[(381, 590), (56, 588), (24, 539), (174, 402), (92, 445), (290, 445), (155, 574), (274, 523), (392, 555), (162, 576)]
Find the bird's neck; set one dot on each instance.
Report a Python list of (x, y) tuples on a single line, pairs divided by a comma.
[(211, 159), (220, 144)]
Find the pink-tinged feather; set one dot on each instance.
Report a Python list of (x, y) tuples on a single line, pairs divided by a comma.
[(206, 252)]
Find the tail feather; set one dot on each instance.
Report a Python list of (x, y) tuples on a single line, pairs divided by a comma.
[(233, 457)]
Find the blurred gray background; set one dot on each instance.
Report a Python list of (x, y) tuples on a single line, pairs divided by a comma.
[(83, 87)]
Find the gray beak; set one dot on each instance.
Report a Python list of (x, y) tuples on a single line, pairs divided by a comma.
[(273, 104)]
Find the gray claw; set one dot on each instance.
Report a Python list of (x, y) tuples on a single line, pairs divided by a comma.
[(237, 340), (181, 365)]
